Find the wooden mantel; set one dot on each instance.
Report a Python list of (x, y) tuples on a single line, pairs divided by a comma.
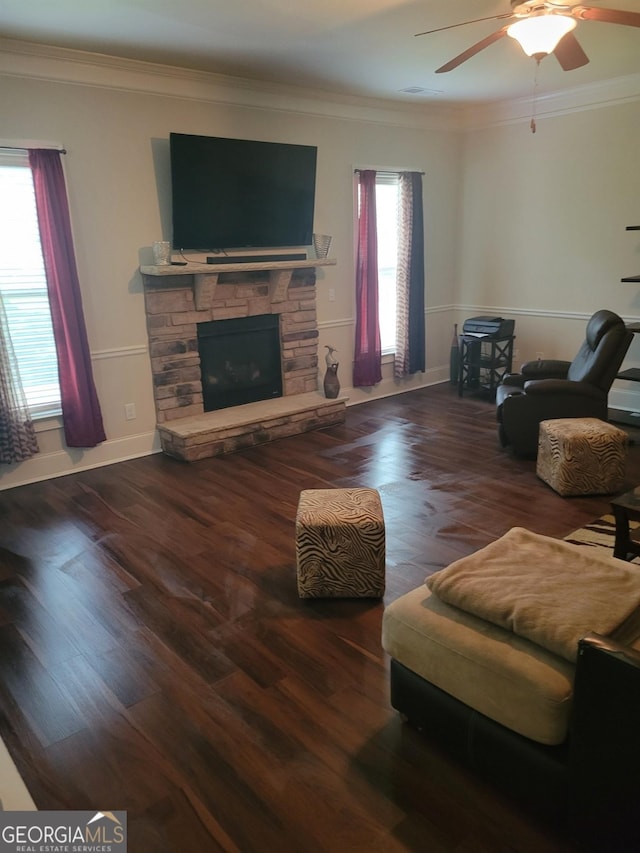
[(205, 276)]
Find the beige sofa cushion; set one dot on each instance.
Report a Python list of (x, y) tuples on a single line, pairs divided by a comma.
[(507, 678), (543, 589)]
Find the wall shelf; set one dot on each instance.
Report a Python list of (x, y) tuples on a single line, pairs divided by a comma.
[(635, 278)]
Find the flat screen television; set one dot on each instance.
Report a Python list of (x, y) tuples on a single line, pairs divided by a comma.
[(238, 193)]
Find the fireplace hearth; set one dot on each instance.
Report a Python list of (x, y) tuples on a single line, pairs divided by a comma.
[(240, 361)]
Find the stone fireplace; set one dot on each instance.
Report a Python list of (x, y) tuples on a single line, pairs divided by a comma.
[(188, 305)]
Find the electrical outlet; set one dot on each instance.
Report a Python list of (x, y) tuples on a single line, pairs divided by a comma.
[(130, 411), (332, 294)]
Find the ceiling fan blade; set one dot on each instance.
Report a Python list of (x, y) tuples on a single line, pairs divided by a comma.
[(607, 16), (569, 53), (471, 51), (464, 24)]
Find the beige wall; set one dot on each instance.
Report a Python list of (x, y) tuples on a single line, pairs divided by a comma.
[(114, 121), (543, 222)]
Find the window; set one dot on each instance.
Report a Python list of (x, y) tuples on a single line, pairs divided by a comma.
[(387, 197), (387, 188), (400, 230), (23, 286)]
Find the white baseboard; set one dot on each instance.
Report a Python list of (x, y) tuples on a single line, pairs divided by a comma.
[(390, 387), (627, 400), (46, 466)]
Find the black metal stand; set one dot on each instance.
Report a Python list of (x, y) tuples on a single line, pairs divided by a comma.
[(483, 362)]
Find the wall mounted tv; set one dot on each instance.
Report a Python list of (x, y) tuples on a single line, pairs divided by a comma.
[(238, 193)]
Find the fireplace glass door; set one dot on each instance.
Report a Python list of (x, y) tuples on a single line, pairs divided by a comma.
[(240, 360)]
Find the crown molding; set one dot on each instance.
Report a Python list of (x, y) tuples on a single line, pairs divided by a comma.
[(606, 93), (83, 68)]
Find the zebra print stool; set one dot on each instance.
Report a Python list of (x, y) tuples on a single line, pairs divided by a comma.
[(581, 456), (340, 544)]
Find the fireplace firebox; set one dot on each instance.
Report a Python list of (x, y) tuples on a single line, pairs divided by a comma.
[(240, 360)]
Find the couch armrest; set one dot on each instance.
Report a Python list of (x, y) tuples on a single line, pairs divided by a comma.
[(562, 387), (604, 746), (515, 380), (545, 368)]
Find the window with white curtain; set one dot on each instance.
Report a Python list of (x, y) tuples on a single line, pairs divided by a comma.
[(387, 190), (23, 285)]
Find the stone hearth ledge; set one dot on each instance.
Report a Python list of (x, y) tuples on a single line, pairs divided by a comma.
[(225, 430)]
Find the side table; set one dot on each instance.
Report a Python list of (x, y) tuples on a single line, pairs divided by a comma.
[(483, 361), (626, 508)]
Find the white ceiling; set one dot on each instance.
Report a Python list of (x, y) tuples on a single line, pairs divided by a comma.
[(363, 47)]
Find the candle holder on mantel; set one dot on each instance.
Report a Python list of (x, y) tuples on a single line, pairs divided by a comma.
[(321, 245), (161, 253)]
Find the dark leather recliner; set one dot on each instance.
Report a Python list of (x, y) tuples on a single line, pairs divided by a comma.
[(551, 388)]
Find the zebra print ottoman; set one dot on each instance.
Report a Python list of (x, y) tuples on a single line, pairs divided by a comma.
[(340, 544), (581, 456)]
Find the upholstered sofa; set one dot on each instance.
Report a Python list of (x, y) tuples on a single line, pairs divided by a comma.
[(520, 689)]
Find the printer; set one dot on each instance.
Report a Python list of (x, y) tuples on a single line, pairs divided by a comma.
[(488, 327)]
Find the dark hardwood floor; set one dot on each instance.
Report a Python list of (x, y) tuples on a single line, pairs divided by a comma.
[(155, 657)]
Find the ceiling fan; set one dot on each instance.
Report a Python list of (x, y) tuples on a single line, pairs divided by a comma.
[(542, 28)]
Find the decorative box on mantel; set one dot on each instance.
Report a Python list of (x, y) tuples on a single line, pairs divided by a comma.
[(178, 298)]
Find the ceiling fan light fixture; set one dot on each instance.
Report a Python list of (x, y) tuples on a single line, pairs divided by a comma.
[(539, 35)]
